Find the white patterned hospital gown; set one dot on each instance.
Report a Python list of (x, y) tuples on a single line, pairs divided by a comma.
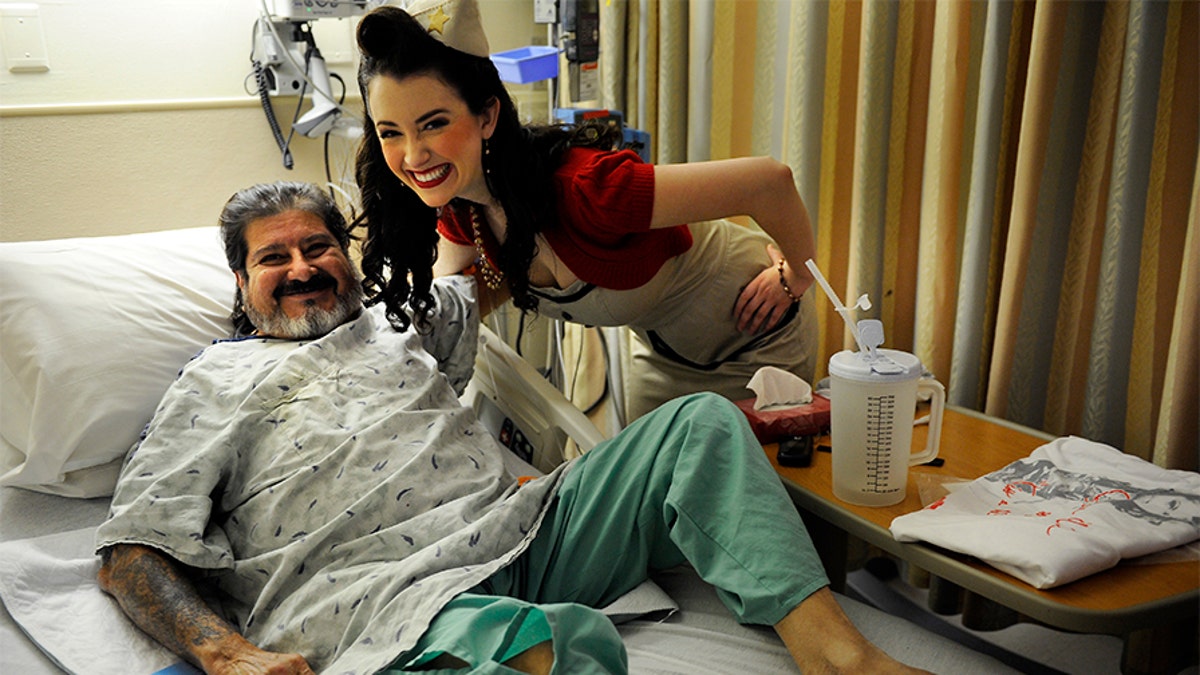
[(334, 491)]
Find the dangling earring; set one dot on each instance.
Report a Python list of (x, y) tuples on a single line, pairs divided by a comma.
[(487, 152)]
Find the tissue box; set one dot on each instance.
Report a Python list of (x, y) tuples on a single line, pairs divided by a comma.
[(770, 426), (527, 64)]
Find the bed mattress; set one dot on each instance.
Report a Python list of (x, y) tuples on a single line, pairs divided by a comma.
[(700, 637)]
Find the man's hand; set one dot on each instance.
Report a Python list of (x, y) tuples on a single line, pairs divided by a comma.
[(246, 659), (164, 604)]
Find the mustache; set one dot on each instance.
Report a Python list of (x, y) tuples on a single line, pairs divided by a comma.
[(317, 282)]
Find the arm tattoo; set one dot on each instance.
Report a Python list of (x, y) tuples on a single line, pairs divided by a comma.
[(160, 600)]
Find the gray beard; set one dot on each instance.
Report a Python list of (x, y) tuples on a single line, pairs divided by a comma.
[(314, 323)]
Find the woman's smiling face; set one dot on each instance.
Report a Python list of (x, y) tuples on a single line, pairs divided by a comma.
[(430, 138)]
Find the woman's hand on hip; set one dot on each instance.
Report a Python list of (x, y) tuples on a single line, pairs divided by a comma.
[(763, 302)]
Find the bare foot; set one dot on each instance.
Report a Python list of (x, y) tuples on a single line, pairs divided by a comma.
[(821, 639)]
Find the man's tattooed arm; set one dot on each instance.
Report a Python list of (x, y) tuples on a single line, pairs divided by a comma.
[(164, 603)]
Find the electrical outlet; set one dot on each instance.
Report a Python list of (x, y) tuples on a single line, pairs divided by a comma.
[(23, 39)]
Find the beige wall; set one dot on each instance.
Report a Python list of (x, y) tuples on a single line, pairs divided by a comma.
[(109, 173), (143, 121)]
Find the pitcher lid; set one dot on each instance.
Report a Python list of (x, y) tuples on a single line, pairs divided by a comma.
[(892, 364)]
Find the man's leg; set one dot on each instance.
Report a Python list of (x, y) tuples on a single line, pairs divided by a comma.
[(688, 482)]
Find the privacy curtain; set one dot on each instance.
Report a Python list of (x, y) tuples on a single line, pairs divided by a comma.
[(1014, 183)]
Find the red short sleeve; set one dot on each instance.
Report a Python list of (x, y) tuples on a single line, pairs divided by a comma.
[(612, 193), (605, 202)]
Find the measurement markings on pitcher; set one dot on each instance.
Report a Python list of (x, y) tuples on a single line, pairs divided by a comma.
[(881, 410)]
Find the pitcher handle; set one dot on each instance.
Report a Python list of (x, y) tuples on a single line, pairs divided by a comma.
[(937, 405)]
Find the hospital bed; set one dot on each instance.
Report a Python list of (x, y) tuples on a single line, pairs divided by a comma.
[(92, 331)]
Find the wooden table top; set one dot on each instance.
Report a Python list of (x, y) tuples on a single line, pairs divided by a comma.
[(971, 446)]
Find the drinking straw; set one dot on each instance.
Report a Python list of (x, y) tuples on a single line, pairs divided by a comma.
[(842, 310)]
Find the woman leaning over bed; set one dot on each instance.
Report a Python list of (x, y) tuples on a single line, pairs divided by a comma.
[(567, 226)]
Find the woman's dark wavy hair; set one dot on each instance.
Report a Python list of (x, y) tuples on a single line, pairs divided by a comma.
[(401, 238), (263, 201)]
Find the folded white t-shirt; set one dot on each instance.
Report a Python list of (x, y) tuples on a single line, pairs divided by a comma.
[(1074, 507)]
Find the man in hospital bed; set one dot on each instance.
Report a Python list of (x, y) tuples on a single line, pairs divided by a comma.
[(347, 514)]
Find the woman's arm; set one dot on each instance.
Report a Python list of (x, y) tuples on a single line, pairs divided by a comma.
[(759, 187), (455, 259), (164, 604), (452, 258)]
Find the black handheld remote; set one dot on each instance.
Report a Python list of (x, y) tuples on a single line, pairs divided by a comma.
[(795, 451)]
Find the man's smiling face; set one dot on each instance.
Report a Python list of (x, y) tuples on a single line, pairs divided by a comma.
[(298, 283)]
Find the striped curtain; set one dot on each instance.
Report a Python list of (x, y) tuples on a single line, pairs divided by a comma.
[(1014, 183)]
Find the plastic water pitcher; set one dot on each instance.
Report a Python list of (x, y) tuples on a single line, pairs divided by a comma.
[(872, 405)]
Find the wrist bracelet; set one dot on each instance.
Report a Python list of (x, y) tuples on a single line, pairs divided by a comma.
[(783, 282)]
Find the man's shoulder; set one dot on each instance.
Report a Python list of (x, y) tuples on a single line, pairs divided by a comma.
[(460, 284), (223, 351)]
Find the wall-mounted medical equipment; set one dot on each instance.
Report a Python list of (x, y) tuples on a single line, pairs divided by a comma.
[(632, 139), (575, 25), (580, 23), (303, 10), (287, 62)]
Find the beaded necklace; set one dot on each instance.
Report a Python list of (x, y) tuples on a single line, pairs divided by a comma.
[(492, 276)]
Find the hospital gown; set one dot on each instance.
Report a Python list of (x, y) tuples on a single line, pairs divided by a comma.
[(334, 491)]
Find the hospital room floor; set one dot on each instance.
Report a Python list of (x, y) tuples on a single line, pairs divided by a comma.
[(1032, 649)]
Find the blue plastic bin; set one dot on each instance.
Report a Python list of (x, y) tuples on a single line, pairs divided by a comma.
[(527, 64)]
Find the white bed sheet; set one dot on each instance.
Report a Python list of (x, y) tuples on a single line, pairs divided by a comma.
[(699, 638), (24, 515)]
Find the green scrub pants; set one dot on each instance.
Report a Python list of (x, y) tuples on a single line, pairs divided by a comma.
[(685, 483)]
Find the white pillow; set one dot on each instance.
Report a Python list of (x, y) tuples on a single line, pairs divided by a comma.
[(92, 332)]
